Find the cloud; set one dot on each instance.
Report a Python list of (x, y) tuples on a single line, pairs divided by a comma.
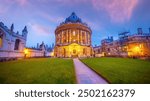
[(4, 6), (71, 2), (52, 18), (11, 2), (2, 10), (7, 5), (118, 10), (39, 29), (22, 2), (93, 24)]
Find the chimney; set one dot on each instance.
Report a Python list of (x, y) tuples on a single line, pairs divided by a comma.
[(140, 31)]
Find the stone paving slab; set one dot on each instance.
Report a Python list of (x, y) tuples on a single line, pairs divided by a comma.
[(85, 75)]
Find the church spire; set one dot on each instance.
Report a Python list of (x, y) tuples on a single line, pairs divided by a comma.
[(25, 29), (12, 27), (25, 32)]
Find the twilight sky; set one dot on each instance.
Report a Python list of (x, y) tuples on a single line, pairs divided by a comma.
[(105, 17)]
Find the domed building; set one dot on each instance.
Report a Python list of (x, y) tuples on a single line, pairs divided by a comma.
[(73, 38)]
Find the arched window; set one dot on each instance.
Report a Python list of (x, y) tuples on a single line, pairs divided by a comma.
[(17, 42), (1, 39)]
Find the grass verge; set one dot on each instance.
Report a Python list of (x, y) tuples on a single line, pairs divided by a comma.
[(38, 71), (121, 70)]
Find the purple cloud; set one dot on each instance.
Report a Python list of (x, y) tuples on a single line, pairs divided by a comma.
[(22, 2), (39, 29), (118, 10), (105, 17), (50, 18)]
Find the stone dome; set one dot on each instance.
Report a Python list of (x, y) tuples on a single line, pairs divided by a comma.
[(73, 18)]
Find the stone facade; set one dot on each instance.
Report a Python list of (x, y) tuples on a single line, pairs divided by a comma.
[(73, 38), (135, 45), (36, 52), (13, 44)]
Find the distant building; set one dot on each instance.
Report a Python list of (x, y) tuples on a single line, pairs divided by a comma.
[(98, 51), (136, 45), (73, 38), (36, 52), (13, 44)]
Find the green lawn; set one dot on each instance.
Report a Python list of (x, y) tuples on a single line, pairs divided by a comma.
[(120, 70), (38, 71)]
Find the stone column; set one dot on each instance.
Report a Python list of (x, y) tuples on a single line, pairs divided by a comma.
[(69, 36), (81, 36), (90, 38), (84, 37), (61, 37), (64, 37), (87, 38), (78, 36), (56, 38)]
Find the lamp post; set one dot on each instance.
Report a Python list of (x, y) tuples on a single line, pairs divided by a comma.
[(25, 52)]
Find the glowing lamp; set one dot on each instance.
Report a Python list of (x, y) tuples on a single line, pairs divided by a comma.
[(26, 51), (52, 54), (137, 49)]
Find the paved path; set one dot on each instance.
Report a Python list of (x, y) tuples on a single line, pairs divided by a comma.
[(85, 75)]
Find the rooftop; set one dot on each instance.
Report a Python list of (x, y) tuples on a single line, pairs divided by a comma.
[(73, 18)]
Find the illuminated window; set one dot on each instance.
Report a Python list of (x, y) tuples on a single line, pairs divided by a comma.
[(140, 45), (74, 33), (1, 38), (1, 42)]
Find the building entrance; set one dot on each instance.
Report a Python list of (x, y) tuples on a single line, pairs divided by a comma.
[(74, 53)]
